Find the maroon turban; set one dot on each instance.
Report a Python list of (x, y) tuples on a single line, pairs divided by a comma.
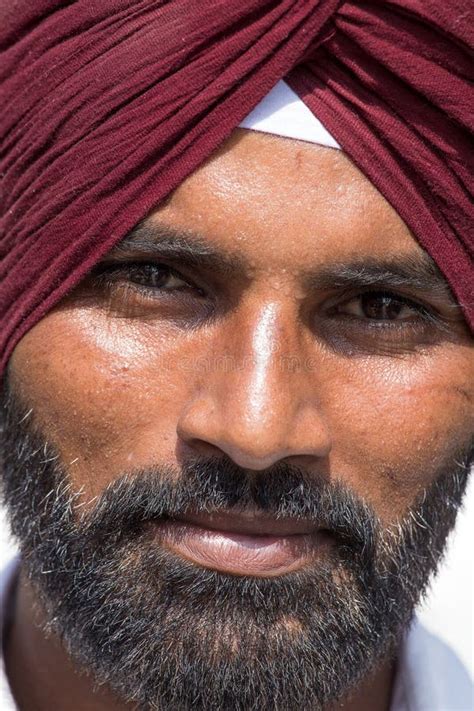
[(107, 106)]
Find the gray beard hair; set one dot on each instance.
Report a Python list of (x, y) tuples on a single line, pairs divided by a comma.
[(166, 634)]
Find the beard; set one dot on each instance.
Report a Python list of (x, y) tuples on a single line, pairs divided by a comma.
[(166, 634)]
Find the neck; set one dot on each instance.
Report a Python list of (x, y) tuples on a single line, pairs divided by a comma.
[(54, 679)]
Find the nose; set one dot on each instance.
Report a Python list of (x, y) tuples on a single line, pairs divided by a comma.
[(255, 403)]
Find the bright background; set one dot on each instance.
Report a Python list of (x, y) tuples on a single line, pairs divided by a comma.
[(448, 610)]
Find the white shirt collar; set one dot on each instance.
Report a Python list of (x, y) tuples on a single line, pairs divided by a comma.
[(430, 676), (8, 579)]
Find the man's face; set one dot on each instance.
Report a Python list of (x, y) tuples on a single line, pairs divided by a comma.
[(320, 353)]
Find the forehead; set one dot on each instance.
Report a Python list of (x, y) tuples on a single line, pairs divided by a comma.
[(278, 199)]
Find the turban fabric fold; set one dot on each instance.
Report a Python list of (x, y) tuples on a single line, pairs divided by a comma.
[(107, 106)]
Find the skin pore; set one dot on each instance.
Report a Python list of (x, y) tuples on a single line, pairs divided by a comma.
[(274, 309)]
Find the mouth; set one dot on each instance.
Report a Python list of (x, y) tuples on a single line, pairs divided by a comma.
[(244, 543)]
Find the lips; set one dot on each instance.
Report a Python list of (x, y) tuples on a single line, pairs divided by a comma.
[(250, 523), (243, 543)]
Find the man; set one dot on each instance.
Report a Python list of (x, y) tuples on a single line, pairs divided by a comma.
[(238, 376)]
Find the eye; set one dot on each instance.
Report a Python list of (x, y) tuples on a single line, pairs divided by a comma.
[(382, 306), (155, 276), (143, 290), (147, 277)]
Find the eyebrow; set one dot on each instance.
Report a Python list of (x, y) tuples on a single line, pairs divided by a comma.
[(185, 247), (417, 271)]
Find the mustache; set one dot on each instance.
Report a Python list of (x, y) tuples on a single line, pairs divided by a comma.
[(217, 485)]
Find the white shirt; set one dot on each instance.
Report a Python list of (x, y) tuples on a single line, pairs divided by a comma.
[(430, 677), (8, 579)]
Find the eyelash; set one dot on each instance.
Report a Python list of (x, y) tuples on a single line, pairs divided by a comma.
[(110, 275), (422, 314)]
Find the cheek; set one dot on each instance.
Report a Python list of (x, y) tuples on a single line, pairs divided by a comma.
[(106, 401), (399, 422), (108, 395)]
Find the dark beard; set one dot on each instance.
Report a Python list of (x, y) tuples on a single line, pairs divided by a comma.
[(169, 635)]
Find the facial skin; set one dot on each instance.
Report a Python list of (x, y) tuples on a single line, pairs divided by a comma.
[(256, 364)]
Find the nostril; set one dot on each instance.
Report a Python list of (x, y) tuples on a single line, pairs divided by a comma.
[(222, 420), (188, 448)]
